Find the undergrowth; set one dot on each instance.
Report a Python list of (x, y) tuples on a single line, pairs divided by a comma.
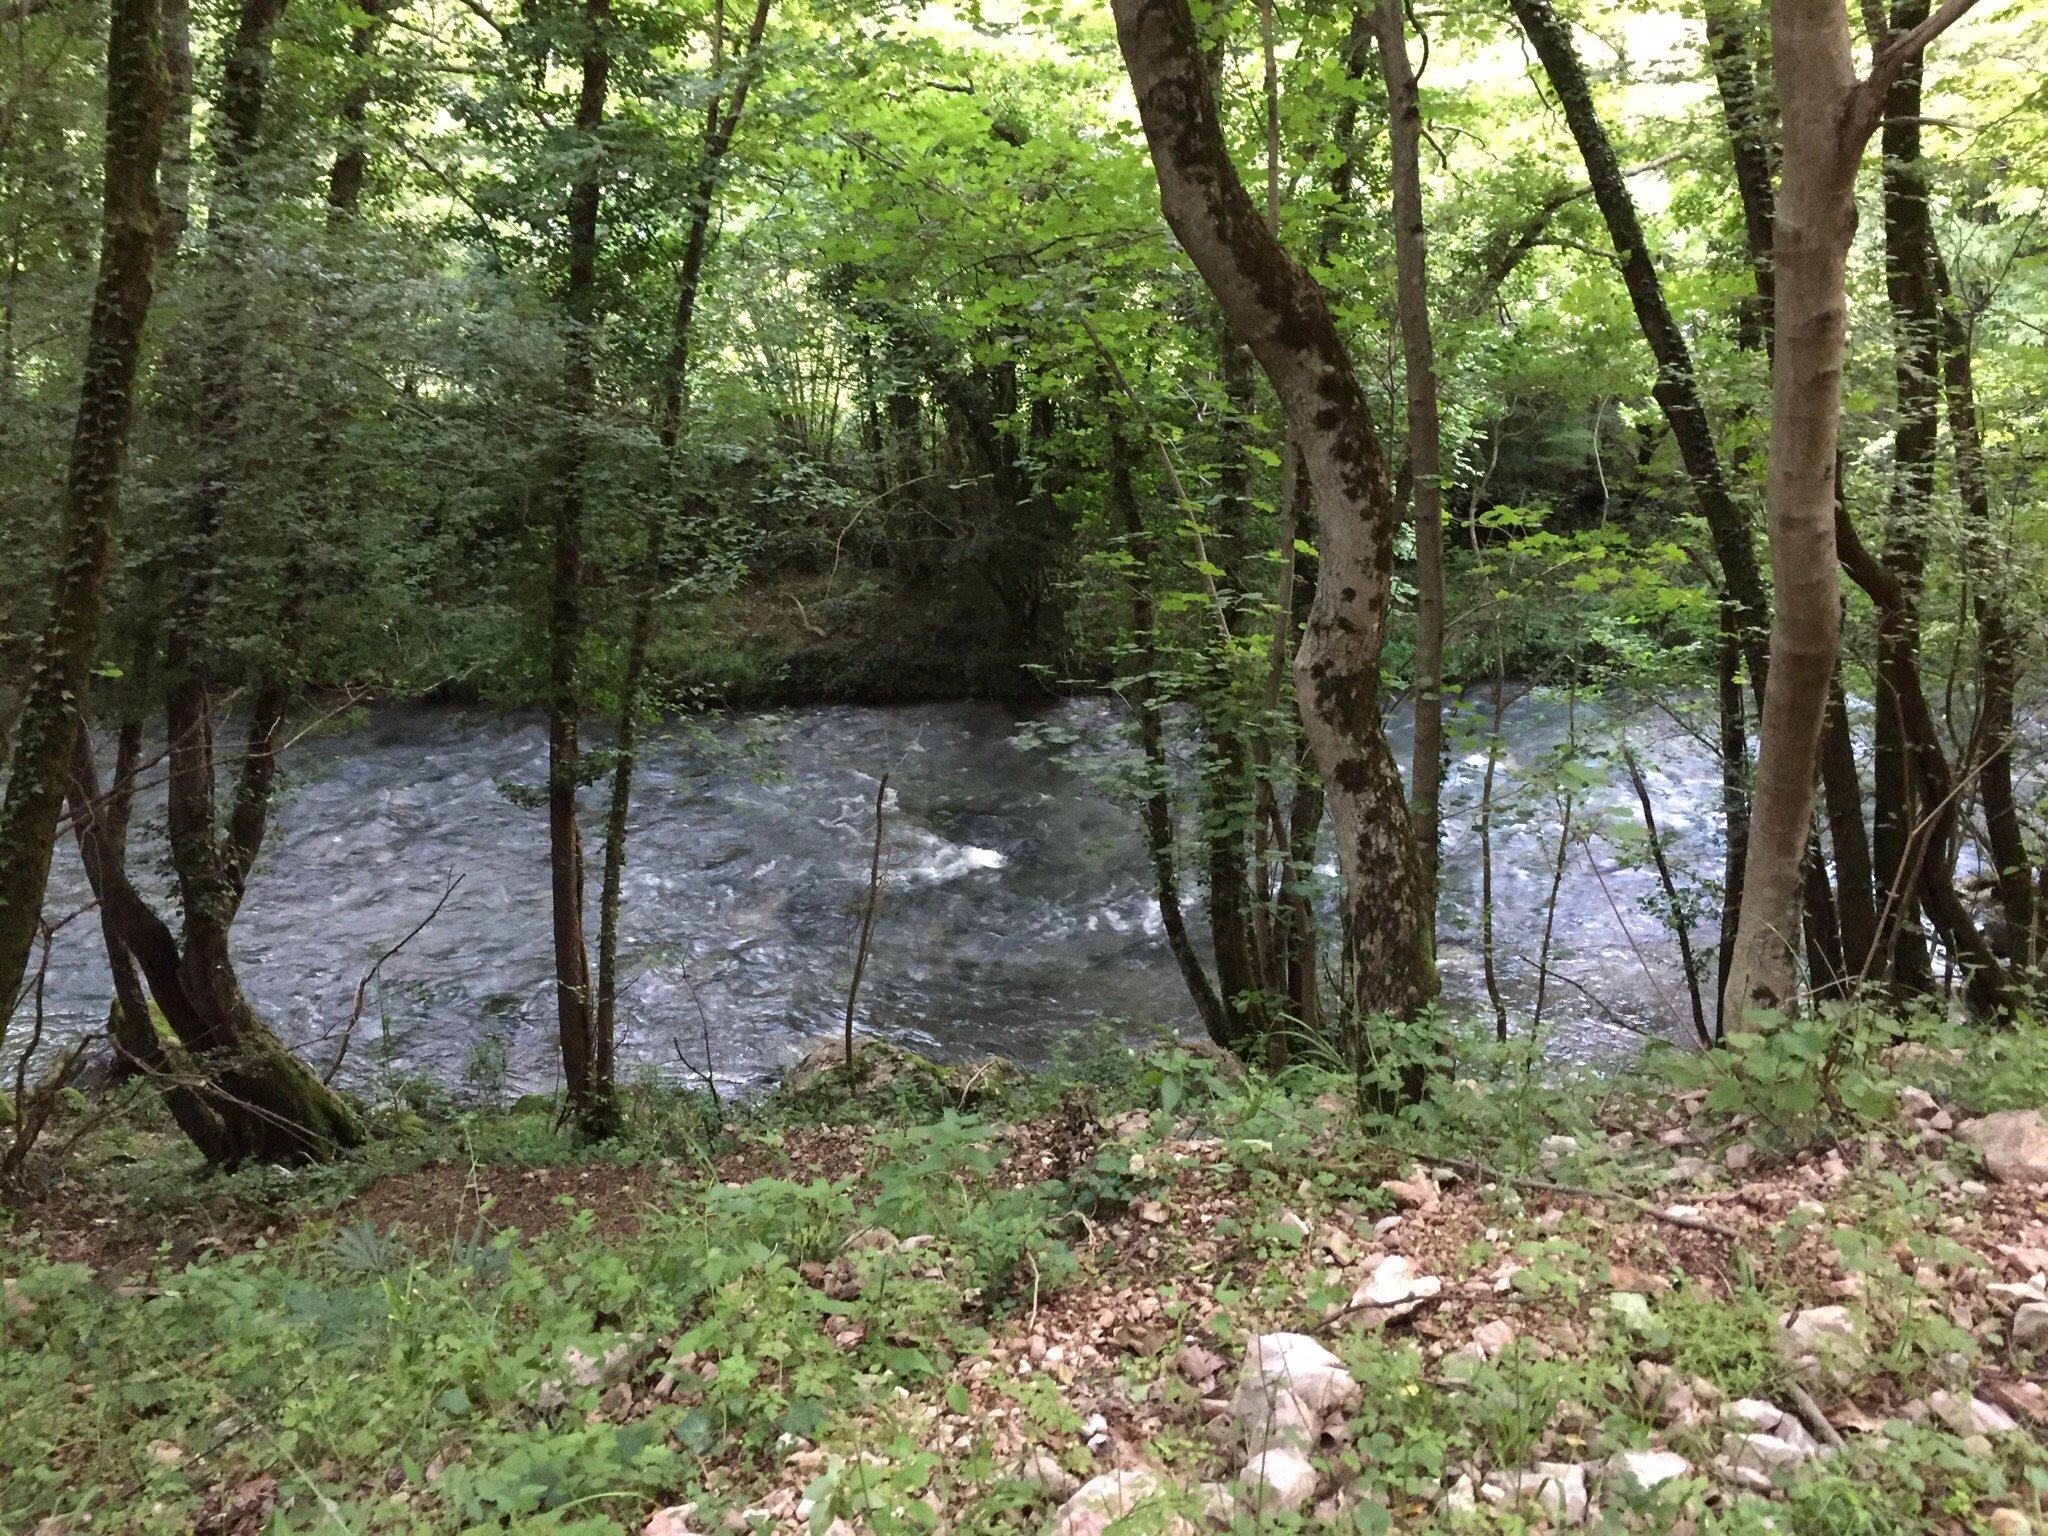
[(389, 1382)]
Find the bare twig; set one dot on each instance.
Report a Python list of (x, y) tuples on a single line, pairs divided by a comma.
[(867, 922), (1816, 1421), (355, 1013), (1679, 925), (1674, 1217)]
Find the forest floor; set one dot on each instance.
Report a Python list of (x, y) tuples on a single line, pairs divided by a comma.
[(1738, 1296)]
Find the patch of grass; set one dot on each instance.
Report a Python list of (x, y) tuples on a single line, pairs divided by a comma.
[(1728, 1340)]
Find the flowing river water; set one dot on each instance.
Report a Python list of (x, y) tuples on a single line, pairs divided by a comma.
[(1016, 911)]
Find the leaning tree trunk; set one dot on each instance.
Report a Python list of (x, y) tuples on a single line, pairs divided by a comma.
[(1279, 312), (1828, 116), (593, 1102), (1989, 985), (99, 823), (60, 662), (273, 1109), (1677, 389), (1425, 447)]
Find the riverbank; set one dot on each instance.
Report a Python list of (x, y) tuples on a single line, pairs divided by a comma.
[(888, 1310)]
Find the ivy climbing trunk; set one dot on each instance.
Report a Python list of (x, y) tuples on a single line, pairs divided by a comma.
[(60, 658), (1279, 312)]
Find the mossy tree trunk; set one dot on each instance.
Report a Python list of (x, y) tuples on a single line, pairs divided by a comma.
[(60, 659), (1278, 311)]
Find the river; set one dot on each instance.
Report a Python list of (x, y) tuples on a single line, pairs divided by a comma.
[(1016, 910)]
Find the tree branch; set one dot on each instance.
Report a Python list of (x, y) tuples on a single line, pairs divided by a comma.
[(1894, 56)]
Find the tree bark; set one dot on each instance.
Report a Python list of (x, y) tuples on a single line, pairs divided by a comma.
[(1855, 883), (60, 661), (1734, 743), (1277, 309), (174, 185), (593, 1102), (1425, 446), (99, 824), (1828, 115)]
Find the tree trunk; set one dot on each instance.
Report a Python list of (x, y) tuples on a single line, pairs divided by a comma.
[(1730, 39), (593, 1103), (720, 123), (1677, 388), (1855, 883), (1139, 690), (273, 1109), (1997, 645), (99, 824), (1916, 375), (1425, 449), (60, 661), (1278, 311), (1734, 743), (1228, 795), (352, 159), (1828, 116), (174, 185)]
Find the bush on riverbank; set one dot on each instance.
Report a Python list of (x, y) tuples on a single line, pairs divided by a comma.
[(907, 1316)]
